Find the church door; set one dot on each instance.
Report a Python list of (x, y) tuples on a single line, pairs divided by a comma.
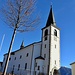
[(55, 72)]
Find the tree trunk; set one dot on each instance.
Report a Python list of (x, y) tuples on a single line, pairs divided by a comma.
[(9, 51)]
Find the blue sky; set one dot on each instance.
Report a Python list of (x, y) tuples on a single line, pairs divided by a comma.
[(64, 12)]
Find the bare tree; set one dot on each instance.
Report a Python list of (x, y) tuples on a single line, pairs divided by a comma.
[(19, 16)]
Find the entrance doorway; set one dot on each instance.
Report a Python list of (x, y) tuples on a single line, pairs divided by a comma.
[(55, 72)]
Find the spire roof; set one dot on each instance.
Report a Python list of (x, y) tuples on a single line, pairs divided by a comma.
[(51, 19), (22, 45)]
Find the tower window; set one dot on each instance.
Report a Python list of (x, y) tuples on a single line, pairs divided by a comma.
[(55, 32), (45, 45), (55, 46), (45, 34), (45, 38), (55, 61)]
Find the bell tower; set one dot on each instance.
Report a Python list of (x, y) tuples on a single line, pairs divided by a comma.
[(51, 46)]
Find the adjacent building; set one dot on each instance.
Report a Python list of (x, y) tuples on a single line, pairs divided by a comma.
[(73, 68), (38, 58)]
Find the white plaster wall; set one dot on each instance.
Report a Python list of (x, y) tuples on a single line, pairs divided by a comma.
[(55, 52), (33, 50), (22, 61), (46, 50), (50, 47), (40, 63), (36, 53)]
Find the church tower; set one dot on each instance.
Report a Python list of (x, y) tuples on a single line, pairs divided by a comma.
[(51, 46)]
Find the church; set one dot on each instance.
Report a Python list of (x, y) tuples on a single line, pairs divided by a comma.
[(38, 58)]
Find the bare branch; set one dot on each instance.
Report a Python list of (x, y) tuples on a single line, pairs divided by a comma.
[(21, 13)]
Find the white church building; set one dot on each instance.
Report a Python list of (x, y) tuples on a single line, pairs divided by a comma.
[(38, 58)]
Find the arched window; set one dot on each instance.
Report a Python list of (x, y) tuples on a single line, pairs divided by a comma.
[(13, 67), (18, 66), (25, 66), (55, 32), (45, 34)]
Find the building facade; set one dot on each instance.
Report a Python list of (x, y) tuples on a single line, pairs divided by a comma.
[(39, 58), (73, 68)]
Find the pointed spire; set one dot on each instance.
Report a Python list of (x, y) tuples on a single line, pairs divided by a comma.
[(22, 45), (51, 19)]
